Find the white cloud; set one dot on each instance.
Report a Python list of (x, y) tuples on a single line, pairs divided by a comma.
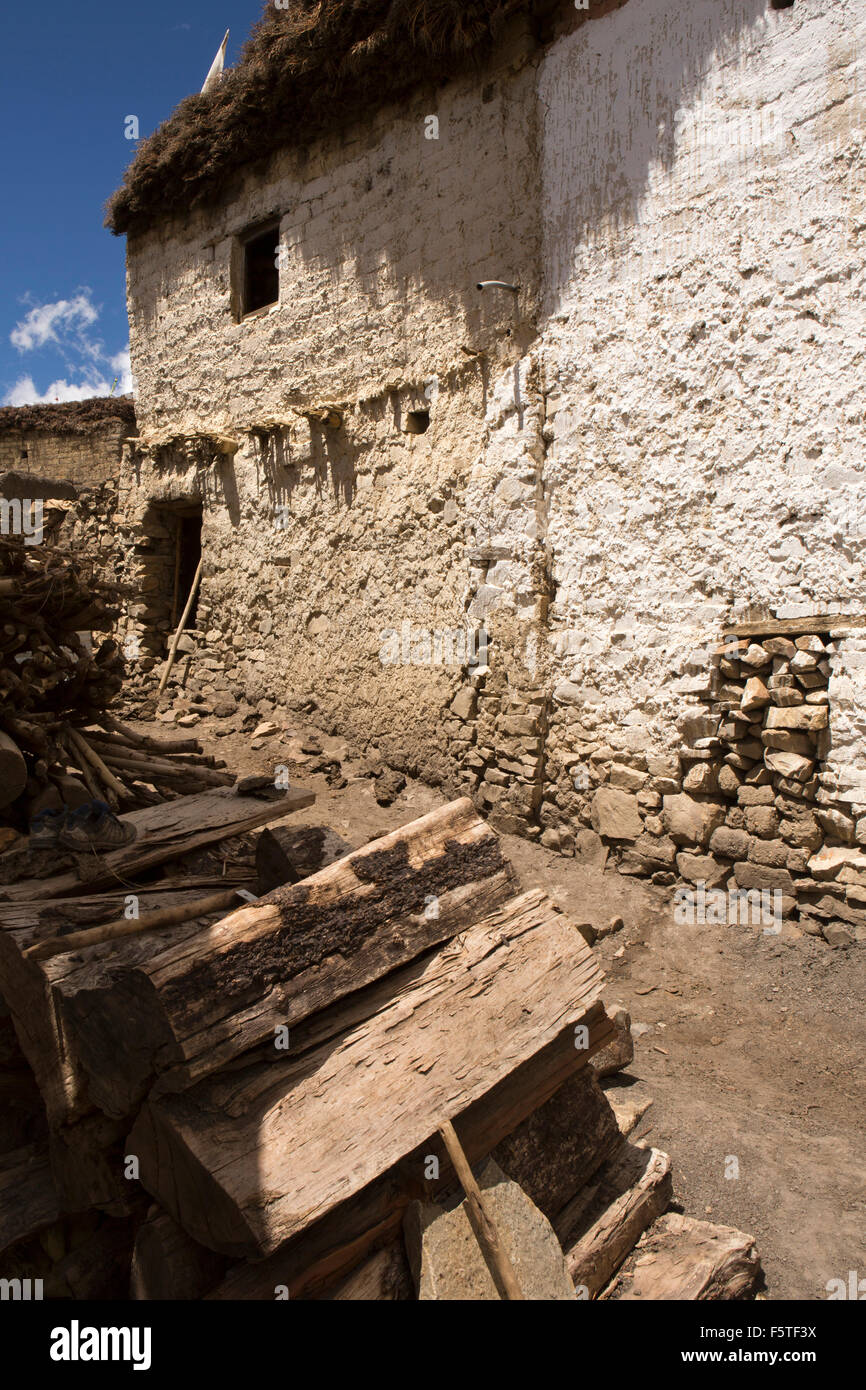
[(62, 326), (26, 392), (51, 323)]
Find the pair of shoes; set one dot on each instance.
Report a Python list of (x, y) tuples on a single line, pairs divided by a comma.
[(88, 827), (94, 826)]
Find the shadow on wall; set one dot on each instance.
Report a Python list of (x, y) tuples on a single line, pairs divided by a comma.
[(330, 451), (611, 93)]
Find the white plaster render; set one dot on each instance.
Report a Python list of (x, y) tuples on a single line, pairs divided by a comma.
[(662, 430)]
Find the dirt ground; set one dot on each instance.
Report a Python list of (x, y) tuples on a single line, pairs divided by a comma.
[(750, 1045)]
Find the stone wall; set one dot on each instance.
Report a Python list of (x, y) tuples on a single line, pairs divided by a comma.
[(659, 437)]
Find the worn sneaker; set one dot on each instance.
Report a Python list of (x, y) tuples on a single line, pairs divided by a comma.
[(45, 829), (94, 826)]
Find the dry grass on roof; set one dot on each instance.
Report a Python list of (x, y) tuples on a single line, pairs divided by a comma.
[(69, 417), (306, 69)]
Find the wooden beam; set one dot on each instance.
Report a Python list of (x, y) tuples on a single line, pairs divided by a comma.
[(247, 1159), (328, 1250), (164, 832), (199, 1004)]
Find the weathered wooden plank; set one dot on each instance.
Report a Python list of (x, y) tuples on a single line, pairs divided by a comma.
[(38, 992), (164, 832), (220, 992), (600, 1227), (326, 1251), (245, 1160)]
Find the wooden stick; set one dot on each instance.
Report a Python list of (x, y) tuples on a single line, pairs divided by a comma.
[(116, 787), (155, 745), (89, 780), (183, 617), (111, 931), (480, 1219)]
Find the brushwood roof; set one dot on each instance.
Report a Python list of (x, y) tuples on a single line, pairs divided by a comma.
[(311, 67), (69, 417)]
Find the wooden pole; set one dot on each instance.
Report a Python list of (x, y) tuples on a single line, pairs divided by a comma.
[(111, 931), (154, 745), (177, 554), (183, 617), (480, 1219)]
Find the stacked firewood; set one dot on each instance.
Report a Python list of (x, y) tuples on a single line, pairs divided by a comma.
[(55, 686)]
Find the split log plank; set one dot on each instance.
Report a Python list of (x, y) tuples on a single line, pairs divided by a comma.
[(246, 1160), (325, 1253), (630, 1191), (211, 997), (166, 832)]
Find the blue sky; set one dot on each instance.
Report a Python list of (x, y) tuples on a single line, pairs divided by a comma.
[(69, 76)]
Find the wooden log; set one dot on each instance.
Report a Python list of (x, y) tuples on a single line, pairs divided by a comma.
[(286, 855), (195, 1007), (603, 1223), (558, 1148), (384, 1276), (154, 745), (13, 770), (169, 1264), (28, 1198), (481, 1220), (248, 1159), (39, 993), (180, 627), (335, 1244), (166, 832), (113, 931), (684, 1259), (157, 770), (114, 787)]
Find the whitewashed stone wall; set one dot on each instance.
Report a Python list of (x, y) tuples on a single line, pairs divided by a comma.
[(660, 434)]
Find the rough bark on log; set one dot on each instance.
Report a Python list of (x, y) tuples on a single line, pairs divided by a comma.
[(248, 1159), (601, 1226), (558, 1148), (206, 1000), (335, 1244)]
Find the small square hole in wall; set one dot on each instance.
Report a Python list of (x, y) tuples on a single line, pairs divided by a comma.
[(260, 285), (781, 4), (417, 421)]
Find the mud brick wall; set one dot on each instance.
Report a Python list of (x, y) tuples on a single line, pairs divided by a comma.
[(84, 459)]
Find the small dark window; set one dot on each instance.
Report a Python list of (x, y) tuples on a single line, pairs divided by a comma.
[(417, 421), (782, 4), (261, 284)]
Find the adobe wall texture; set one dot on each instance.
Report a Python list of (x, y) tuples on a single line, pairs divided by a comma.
[(87, 460), (659, 436)]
